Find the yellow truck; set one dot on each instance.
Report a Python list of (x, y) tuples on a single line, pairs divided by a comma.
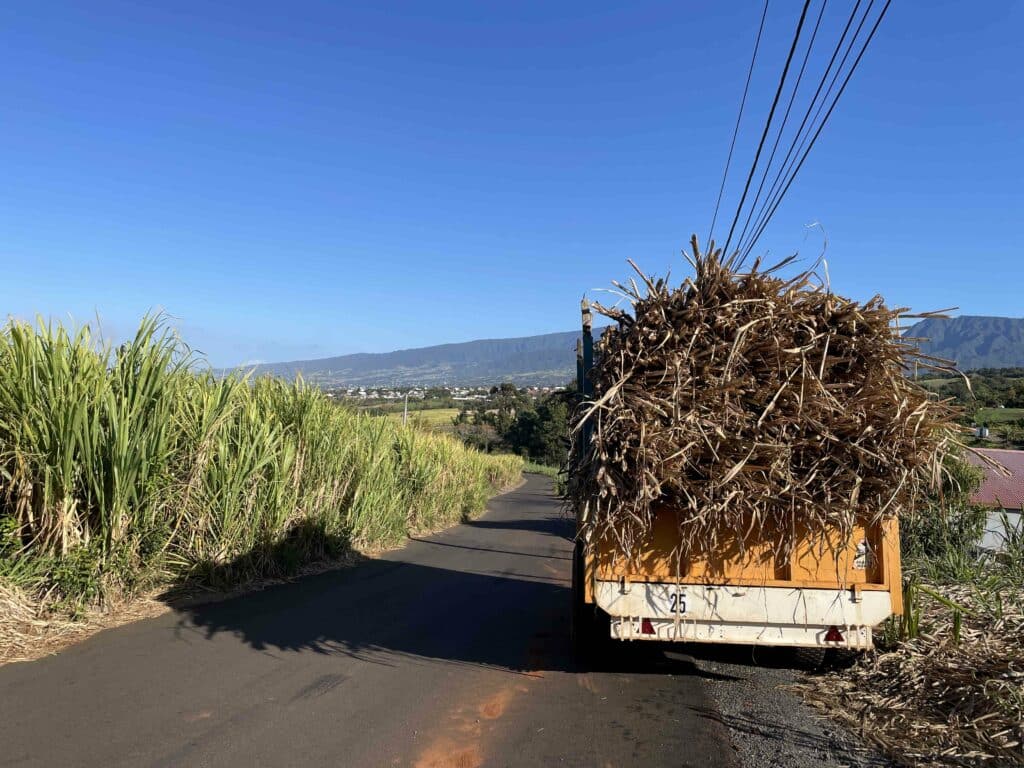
[(824, 594)]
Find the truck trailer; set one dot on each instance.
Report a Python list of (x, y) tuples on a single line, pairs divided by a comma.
[(826, 593)]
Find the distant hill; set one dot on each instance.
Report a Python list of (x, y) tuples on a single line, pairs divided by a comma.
[(974, 341), (547, 360), (550, 360)]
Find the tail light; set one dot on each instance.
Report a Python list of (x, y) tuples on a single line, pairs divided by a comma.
[(833, 635)]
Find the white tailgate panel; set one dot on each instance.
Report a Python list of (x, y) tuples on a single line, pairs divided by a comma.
[(792, 606)]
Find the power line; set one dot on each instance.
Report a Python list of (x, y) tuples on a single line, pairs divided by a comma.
[(736, 130), (817, 133), (800, 140), (768, 123), (792, 172), (782, 125)]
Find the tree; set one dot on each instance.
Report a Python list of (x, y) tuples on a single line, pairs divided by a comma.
[(946, 527), (483, 437), (505, 404), (511, 420), (542, 434)]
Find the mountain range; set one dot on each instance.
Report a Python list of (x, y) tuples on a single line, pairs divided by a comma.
[(974, 341), (550, 359), (546, 360)]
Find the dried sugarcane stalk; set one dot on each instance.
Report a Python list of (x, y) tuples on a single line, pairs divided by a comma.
[(953, 696), (752, 404)]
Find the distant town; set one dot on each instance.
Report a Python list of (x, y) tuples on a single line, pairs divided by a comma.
[(373, 395)]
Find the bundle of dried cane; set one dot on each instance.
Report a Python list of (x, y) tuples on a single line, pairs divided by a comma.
[(751, 403), (953, 696)]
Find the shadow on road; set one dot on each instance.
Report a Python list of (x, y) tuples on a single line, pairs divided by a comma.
[(553, 526), (490, 549), (383, 612), (493, 592), (506, 606)]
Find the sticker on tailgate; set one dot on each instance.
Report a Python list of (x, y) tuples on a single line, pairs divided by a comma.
[(668, 599), (864, 558)]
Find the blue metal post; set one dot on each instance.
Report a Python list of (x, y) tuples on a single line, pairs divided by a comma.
[(588, 347)]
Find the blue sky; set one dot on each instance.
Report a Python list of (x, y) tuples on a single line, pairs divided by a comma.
[(294, 180)]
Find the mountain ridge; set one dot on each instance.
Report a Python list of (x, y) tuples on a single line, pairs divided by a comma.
[(974, 341), (542, 360)]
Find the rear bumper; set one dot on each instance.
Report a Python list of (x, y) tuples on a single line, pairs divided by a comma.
[(701, 613)]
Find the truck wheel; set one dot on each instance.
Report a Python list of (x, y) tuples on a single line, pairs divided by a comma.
[(810, 659), (578, 628), (591, 627)]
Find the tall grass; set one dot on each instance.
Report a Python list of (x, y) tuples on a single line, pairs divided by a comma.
[(120, 465)]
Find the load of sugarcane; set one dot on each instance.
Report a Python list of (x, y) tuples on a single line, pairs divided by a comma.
[(753, 405)]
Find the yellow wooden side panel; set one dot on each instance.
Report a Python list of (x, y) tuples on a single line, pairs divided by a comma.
[(869, 559), (822, 559), (891, 564)]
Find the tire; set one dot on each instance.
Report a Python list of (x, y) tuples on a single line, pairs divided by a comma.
[(580, 629), (810, 659), (591, 627)]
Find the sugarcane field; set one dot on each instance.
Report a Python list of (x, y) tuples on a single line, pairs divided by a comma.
[(529, 384)]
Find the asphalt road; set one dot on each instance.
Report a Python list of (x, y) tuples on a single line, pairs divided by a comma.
[(452, 652)]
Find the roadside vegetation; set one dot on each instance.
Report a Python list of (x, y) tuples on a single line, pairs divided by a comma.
[(946, 685), (512, 421), (123, 468), (995, 400)]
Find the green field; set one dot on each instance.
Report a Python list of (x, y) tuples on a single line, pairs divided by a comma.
[(432, 418), (933, 383), (936, 383), (996, 415)]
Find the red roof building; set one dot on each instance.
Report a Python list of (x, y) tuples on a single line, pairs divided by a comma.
[(996, 489)]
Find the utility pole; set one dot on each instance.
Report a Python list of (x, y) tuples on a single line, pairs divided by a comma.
[(405, 411)]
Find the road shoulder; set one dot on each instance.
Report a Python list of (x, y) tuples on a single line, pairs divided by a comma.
[(768, 723)]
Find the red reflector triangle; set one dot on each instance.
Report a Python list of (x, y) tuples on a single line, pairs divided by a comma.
[(833, 635), (646, 627)]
